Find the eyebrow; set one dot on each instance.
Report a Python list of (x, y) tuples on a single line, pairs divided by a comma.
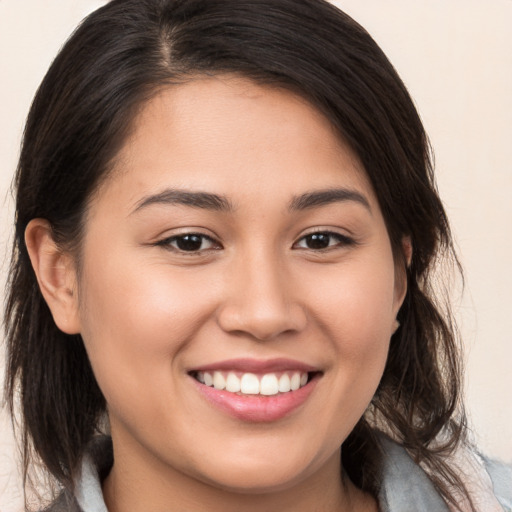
[(201, 200), (216, 202), (328, 196)]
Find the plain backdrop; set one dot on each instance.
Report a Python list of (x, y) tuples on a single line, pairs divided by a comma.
[(455, 56)]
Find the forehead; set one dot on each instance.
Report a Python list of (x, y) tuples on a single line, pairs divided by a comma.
[(230, 135)]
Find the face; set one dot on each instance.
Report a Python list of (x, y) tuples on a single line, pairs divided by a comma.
[(237, 290)]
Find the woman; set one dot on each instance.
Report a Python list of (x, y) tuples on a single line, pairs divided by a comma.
[(226, 222)]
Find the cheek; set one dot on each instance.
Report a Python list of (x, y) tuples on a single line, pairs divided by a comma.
[(135, 323), (363, 339), (355, 310), (141, 308), (355, 305)]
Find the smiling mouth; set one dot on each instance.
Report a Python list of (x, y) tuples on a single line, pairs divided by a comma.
[(256, 391), (267, 384)]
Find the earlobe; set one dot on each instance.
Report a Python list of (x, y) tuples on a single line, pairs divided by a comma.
[(55, 274)]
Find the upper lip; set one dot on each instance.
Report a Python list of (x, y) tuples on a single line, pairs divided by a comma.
[(247, 365)]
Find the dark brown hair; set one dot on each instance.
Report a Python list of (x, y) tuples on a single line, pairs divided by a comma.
[(122, 54)]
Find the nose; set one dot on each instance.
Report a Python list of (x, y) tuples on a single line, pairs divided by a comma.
[(259, 301)]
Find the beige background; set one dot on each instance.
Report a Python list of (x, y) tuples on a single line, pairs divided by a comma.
[(456, 58)]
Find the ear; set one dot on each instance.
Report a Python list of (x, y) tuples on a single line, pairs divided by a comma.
[(55, 274), (407, 250), (401, 267)]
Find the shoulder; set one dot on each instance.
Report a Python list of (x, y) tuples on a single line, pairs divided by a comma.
[(406, 486), (88, 496), (501, 478)]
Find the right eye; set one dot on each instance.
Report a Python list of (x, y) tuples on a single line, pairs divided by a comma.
[(189, 243)]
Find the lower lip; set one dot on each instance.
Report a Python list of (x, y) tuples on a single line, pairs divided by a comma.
[(257, 408)]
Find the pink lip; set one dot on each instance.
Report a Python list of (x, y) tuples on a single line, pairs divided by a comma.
[(257, 408), (257, 366)]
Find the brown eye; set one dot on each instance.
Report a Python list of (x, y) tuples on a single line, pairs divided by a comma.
[(318, 241), (323, 240), (190, 242)]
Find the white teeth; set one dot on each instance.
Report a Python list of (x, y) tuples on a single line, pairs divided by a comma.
[(295, 381), (252, 384), (269, 385), (284, 383), (219, 382), (233, 383)]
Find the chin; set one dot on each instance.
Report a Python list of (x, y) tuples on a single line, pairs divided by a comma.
[(257, 478)]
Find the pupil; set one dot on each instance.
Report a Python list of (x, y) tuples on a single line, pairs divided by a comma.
[(189, 242), (318, 241)]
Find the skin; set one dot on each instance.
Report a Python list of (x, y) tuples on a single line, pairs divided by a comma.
[(149, 313)]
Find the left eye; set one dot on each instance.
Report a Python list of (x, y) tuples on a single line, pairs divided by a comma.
[(190, 242), (322, 240)]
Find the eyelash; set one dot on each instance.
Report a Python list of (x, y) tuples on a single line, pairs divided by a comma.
[(167, 243)]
